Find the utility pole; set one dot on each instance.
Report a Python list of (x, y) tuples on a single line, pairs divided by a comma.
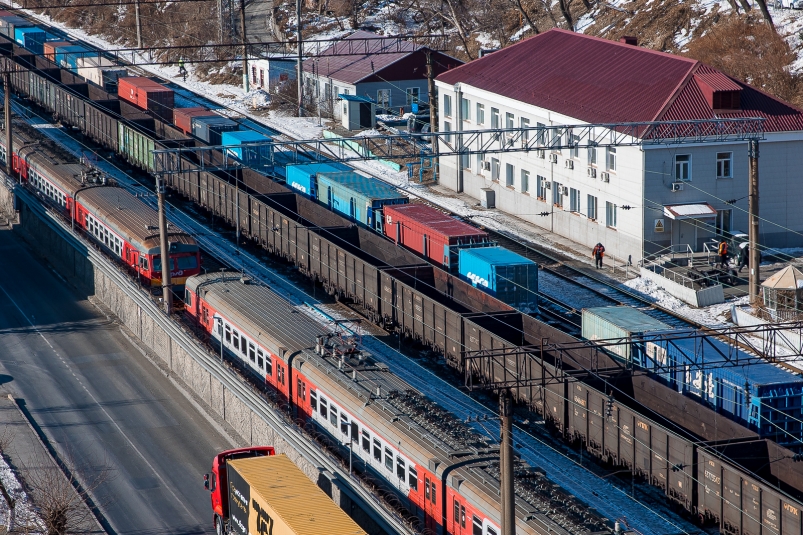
[(299, 62), (507, 490), (220, 20), (139, 24), (433, 107), (245, 46), (752, 200), (458, 97), (164, 248), (9, 138)]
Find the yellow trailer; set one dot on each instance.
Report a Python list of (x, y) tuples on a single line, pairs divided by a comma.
[(271, 496)]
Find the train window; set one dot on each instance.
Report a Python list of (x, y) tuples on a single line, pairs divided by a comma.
[(377, 450), (462, 516), (313, 400), (304, 391), (187, 262), (491, 531), (400, 469), (228, 334), (236, 337), (187, 297), (366, 441), (434, 493), (268, 365), (144, 260), (298, 388), (281, 374), (344, 424), (426, 488), (252, 352), (456, 517), (477, 526), (323, 410), (333, 417), (412, 479), (389, 460), (243, 343)]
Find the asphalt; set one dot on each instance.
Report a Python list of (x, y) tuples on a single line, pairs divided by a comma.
[(109, 413)]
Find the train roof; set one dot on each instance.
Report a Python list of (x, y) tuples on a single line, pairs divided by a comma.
[(259, 311), (134, 220)]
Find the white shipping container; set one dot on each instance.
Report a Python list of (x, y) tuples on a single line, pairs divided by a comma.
[(102, 75), (94, 61)]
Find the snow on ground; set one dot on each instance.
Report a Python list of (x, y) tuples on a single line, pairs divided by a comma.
[(22, 517)]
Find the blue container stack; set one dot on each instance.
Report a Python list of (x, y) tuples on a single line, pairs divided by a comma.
[(303, 177), (359, 197), (210, 128), (248, 147), (508, 276), (31, 38)]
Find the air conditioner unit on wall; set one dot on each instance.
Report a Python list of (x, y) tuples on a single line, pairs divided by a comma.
[(569, 164), (592, 173), (540, 154), (677, 186), (553, 158), (605, 176), (548, 185), (486, 165), (564, 190)]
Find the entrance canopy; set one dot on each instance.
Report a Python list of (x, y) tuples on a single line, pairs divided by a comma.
[(701, 210)]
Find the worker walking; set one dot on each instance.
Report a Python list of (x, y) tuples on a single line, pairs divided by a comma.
[(744, 256), (723, 254), (598, 252), (182, 69)]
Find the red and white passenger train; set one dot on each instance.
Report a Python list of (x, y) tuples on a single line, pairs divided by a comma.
[(444, 472), (117, 220)]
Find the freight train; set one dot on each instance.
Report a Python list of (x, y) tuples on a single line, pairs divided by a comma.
[(429, 305), (114, 219)]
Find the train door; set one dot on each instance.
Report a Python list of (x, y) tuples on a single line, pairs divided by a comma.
[(458, 523), (431, 503)]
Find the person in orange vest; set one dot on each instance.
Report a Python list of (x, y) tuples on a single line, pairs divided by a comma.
[(723, 254), (598, 252)]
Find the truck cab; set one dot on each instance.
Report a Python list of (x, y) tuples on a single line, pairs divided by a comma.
[(215, 482)]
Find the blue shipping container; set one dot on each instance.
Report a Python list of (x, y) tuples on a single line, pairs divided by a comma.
[(31, 38), (254, 156), (510, 277), (359, 197), (210, 128), (66, 56), (303, 177)]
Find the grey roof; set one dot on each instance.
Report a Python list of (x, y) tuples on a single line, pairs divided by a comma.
[(353, 68), (129, 217)]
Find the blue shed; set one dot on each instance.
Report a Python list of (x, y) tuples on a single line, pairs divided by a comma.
[(510, 277), (303, 176), (247, 146), (359, 197), (32, 38)]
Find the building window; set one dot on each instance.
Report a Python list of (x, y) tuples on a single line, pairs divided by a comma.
[(575, 151), (447, 127), (509, 120), (610, 215), (541, 140), (723, 223), (574, 200), (611, 163), (383, 98), (465, 109), (447, 105), (525, 181), (494, 118), (556, 140), (480, 113), (479, 163), (465, 161), (541, 183), (592, 155), (724, 165), (683, 167), (591, 207), (413, 94), (495, 169), (557, 197), (525, 134), (509, 171)]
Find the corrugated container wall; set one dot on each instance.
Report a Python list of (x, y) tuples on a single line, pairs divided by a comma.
[(182, 117), (252, 151), (51, 46), (210, 128), (431, 233), (274, 487), (148, 95), (359, 197), (604, 323), (9, 24), (510, 277), (303, 177), (31, 38)]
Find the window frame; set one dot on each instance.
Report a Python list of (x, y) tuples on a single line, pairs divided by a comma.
[(610, 159), (480, 113), (447, 105), (465, 109), (413, 95), (610, 215), (510, 175), (574, 200), (726, 161), (524, 177), (678, 166), (592, 211)]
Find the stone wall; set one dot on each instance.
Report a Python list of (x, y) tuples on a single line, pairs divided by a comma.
[(74, 265)]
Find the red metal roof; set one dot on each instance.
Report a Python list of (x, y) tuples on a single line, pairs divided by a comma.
[(436, 220), (597, 81)]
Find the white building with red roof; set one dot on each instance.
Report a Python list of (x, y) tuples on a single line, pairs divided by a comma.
[(677, 193)]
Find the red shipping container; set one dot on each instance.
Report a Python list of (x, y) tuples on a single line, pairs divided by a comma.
[(148, 95), (50, 48), (182, 117), (430, 232)]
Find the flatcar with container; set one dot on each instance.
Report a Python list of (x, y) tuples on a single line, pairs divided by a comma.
[(357, 196), (506, 275)]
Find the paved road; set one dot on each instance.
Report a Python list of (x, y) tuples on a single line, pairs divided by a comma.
[(102, 403)]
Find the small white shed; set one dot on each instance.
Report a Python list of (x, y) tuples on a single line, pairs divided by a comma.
[(268, 73), (358, 112)]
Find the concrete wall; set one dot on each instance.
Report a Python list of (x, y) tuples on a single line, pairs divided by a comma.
[(75, 267)]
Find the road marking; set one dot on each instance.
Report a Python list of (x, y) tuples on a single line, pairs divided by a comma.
[(114, 423)]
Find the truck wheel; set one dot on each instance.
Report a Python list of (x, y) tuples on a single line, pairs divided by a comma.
[(219, 530)]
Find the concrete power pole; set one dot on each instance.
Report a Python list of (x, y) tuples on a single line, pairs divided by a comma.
[(220, 20), (752, 200), (7, 110), (433, 107), (299, 63), (245, 47), (164, 248), (507, 490), (458, 97), (139, 24)]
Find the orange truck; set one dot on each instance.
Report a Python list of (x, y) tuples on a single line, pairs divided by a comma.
[(256, 492)]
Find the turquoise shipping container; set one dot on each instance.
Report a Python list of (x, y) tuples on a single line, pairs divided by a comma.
[(358, 197)]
